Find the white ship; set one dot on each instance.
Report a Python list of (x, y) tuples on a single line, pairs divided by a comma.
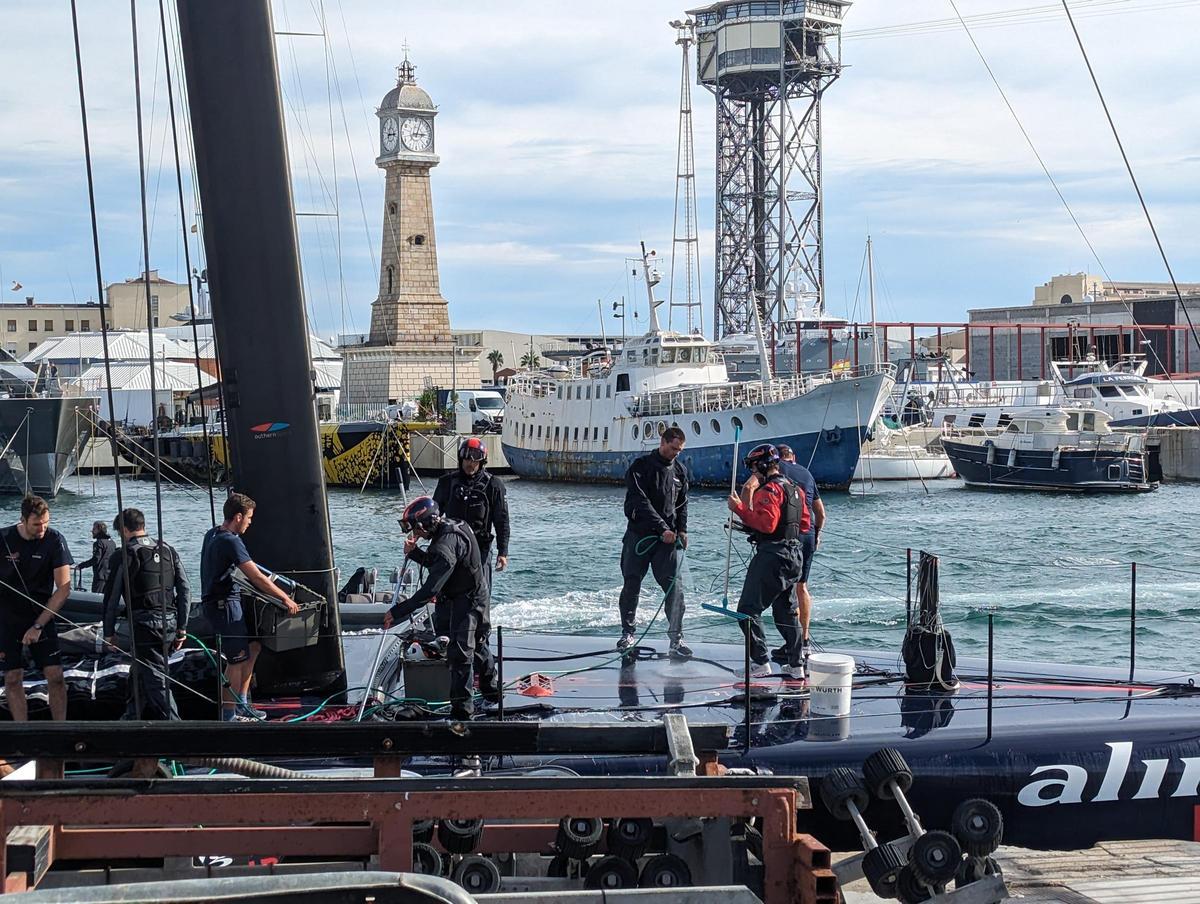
[(591, 425)]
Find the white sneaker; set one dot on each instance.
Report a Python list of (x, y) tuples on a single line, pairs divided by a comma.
[(793, 673), (761, 670)]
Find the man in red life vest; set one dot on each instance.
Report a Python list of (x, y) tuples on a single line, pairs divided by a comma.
[(776, 515)]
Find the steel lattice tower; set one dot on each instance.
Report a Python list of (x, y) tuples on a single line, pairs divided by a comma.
[(685, 241), (768, 63)]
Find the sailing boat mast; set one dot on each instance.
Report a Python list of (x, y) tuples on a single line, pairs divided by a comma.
[(256, 294), (871, 293)]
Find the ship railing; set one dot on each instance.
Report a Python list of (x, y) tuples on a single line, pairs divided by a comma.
[(979, 396), (532, 385), (750, 394)]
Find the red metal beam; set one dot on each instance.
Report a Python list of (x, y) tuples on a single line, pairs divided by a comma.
[(298, 841)]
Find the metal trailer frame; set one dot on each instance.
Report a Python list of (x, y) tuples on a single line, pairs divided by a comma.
[(59, 819)]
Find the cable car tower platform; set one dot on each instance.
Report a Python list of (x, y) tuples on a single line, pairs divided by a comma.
[(768, 63)]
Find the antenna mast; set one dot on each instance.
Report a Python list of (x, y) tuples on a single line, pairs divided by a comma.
[(685, 242)]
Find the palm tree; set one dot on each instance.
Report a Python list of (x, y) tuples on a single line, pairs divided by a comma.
[(530, 360), (495, 358)]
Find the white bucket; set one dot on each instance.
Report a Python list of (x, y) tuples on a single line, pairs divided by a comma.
[(829, 681)]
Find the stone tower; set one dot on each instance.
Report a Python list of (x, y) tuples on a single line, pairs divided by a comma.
[(410, 346)]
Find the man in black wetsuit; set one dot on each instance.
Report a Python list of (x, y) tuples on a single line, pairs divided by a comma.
[(157, 615), (101, 562), (475, 497), (456, 581), (35, 581), (656, 504), (775, 512)]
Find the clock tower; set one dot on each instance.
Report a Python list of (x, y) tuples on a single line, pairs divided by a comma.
[(410, 346)]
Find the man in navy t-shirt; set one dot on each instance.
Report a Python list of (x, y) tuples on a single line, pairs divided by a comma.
[(221, 599), (35, 581), (802, 477)]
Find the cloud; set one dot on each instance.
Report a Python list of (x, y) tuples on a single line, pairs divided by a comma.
[(556, 130)]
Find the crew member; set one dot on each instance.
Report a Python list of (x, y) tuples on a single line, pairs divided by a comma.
[(656, 504), (456, 580), (103, 550), (157, 615), (802, 477), (477, 498), (35, 581), (221, 599), (776, 514)]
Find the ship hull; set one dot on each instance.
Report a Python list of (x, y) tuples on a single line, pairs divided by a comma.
[(42, 439), (825, 426), (1084, 471), (1187, 418)]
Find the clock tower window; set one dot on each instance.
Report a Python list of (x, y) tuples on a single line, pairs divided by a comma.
[(390, 272), (418, 240), (392, 208)]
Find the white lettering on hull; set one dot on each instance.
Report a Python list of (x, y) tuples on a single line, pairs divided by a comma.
[(1071, 785)]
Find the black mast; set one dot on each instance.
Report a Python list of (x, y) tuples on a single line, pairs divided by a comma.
[(259, 319)]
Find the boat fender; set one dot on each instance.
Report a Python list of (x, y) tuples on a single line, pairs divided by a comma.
[(1012, 458), (833, 436), (1054, 459), (991, 451)]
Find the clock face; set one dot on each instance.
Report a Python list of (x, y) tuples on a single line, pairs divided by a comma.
[(391, 133), (417, 134)]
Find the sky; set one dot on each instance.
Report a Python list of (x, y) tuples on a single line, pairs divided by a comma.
[(556, 129)]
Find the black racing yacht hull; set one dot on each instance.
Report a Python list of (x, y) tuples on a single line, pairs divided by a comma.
[(42, 439), (1072, 755)]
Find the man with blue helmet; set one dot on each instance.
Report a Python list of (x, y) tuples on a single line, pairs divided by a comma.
[(456, 581)]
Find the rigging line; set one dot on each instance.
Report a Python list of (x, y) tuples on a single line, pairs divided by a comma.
[(101, 296), (1010, 18), (353, 166), (58, 616), (1129, 169), (1029, 140), (212, 505), (1026, 136), (330, 75), (154, 433), (304, 128)]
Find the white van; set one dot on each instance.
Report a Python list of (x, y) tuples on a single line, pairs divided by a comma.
[(481, 409)]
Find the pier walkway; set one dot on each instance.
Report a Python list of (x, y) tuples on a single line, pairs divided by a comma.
[(1117, 872)]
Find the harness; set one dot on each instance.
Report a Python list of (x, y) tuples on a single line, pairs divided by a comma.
[(151, 578), (473, 506)]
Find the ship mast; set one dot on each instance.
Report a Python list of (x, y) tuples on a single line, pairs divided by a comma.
[(653, 278)]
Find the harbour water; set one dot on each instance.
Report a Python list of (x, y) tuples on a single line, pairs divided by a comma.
[(1054, 569)]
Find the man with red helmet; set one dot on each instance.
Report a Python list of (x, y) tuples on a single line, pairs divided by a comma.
[(776, 514), (476, 497), (455, 579)]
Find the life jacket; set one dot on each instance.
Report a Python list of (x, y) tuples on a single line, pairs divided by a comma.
[(151, 577), (794, 518), (471, 503)]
